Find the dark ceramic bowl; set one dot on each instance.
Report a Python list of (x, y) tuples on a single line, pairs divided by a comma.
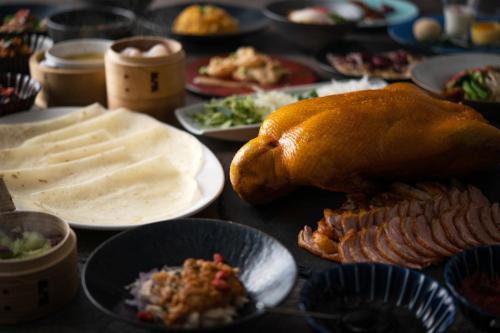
[(160, 20), (377, 298), (137, 6), (26, 89), (90, 22), (308, 36), (267, 269), (485, 259)]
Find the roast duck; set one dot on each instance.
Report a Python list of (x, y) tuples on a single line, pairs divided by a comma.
[(358, 141)]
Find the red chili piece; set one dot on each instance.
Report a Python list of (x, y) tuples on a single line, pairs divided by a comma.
[(220, 285), (218, 258), (145, 316), (221, 275)]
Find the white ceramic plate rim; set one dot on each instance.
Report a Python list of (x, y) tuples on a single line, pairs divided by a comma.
[(419, 76), (210, 177), (182, 114)]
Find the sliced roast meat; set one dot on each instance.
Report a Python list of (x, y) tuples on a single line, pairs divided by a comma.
[(486, 216), (406, 225), (355, 249), (440, 238), (403, 208), (424, 235), (333, 220), (367, 239), (344, 250), (450, 230), (463, 229), (478, 224), (495, 214), (386, 251), (398, 245), (477, 197), (307, 241), (348, 222)]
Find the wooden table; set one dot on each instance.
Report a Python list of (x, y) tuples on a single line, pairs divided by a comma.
[(281, 219)]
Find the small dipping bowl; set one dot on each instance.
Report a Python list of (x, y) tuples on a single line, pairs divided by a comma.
[(33, 287), (377, 298), (484, 259), (77, 53)]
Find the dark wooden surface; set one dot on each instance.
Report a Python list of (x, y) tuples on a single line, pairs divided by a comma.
[(282, 219)]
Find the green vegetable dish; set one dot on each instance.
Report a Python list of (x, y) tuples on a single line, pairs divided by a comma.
[(478, 84), (19, 244), (245, 110)]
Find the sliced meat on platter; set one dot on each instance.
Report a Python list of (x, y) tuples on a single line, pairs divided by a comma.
[(407, 226)]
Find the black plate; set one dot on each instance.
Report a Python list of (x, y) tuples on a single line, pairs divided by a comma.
[(267, 268), (159, 21)]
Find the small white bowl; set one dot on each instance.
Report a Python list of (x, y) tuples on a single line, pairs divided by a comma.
[(57, 55)]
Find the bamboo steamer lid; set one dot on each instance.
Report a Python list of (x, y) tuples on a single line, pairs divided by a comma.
[(68, 86), (152, 85), (33, 287)]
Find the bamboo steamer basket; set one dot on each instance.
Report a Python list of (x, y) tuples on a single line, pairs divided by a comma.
[(152, 85), (68, 86), (34, 287)]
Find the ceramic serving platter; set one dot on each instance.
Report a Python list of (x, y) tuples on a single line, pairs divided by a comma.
[(210, 177), (240, 133)]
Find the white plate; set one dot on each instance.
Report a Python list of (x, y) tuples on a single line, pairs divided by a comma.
[(240, 133), (210, 177)]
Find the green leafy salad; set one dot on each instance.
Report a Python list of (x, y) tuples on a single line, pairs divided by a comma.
[(245, 110), (25, 244)]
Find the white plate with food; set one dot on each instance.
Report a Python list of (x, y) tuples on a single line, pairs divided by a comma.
[(471, 78), (238, 117), (105, 170)]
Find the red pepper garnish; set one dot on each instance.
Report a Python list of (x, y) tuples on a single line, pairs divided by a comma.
[(221, 275), (145, 316), (218, 258), (22, 14), (321, 9), (6, 92), (220, 285)]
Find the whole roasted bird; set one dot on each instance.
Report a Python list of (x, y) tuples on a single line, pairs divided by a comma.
[(352, 142)]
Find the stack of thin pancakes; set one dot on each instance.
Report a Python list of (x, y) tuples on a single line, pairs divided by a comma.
[(98, 166)]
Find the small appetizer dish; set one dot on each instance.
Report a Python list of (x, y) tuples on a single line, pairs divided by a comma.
[(212, 279), (15, 51), (17, 92), (472, 78), (388, 65), (476, 84), (204, 22), (243, 71), (23, 21), (35, 249), (167, 294), (313, 24), (238, 117), (473, 277), (377, 298)]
